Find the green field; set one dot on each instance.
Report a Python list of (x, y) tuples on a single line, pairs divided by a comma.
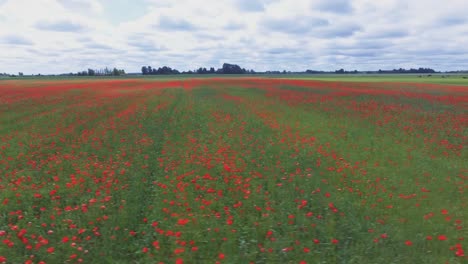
[(316, 169), (450, 79)]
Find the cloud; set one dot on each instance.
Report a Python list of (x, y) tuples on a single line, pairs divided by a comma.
[(81, 5), (14, 39), (97, 46), (335, 6), (234, 26), (338, 31), (358, 53), (249, 5), (259, 34), (300, 25), (392, 33), (60, 26), (142, 43), (281, 50), (174, 24), (452, 21)]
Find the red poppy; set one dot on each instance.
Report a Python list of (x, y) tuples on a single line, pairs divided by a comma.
[(442, 237), (182, 221)]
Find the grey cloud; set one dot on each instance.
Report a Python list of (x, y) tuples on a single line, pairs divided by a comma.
[(284, 50), (338, 31), (313, 27), (234, 26), (77, 5), (335, 6), (452, 21), (14, 39), (174, 24), (140, 42), (393, 33), (372, 44), (60, 26), (97, 46), (250, 5), (36, 51), (359, 53), (376, 45), (209, 36), (294, 25)]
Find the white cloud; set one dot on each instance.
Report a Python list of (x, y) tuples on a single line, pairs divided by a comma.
[(86, 6), (53, 36)]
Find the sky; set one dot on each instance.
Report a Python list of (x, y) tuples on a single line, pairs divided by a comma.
[(60, 36)]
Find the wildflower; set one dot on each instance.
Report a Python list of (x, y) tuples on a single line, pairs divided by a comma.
[(182, 221), (442, 237)]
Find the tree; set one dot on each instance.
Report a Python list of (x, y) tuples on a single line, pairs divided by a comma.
[(91, 72), (150, 70), (231, 69), (144, 70), (202, 71)]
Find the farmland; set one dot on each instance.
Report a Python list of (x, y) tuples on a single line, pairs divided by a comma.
[(241, 170)]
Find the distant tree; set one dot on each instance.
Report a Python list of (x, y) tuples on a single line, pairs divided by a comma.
[(150, 70), (91, 72), (212, 70), (20, 74), (312, 71), (202, 70), (144, 70), (231, 69)]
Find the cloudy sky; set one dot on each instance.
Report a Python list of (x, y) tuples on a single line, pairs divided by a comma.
[(56, 36)]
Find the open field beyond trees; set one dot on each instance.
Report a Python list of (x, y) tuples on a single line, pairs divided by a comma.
[(241, 170)]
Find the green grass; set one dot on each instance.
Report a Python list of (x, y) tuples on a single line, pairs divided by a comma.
[(449, 79)]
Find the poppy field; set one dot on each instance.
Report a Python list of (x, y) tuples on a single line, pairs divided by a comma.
[(240, 170)]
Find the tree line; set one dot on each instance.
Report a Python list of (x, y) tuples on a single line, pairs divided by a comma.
[(227, 68), (401, 70), (101, 72)]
